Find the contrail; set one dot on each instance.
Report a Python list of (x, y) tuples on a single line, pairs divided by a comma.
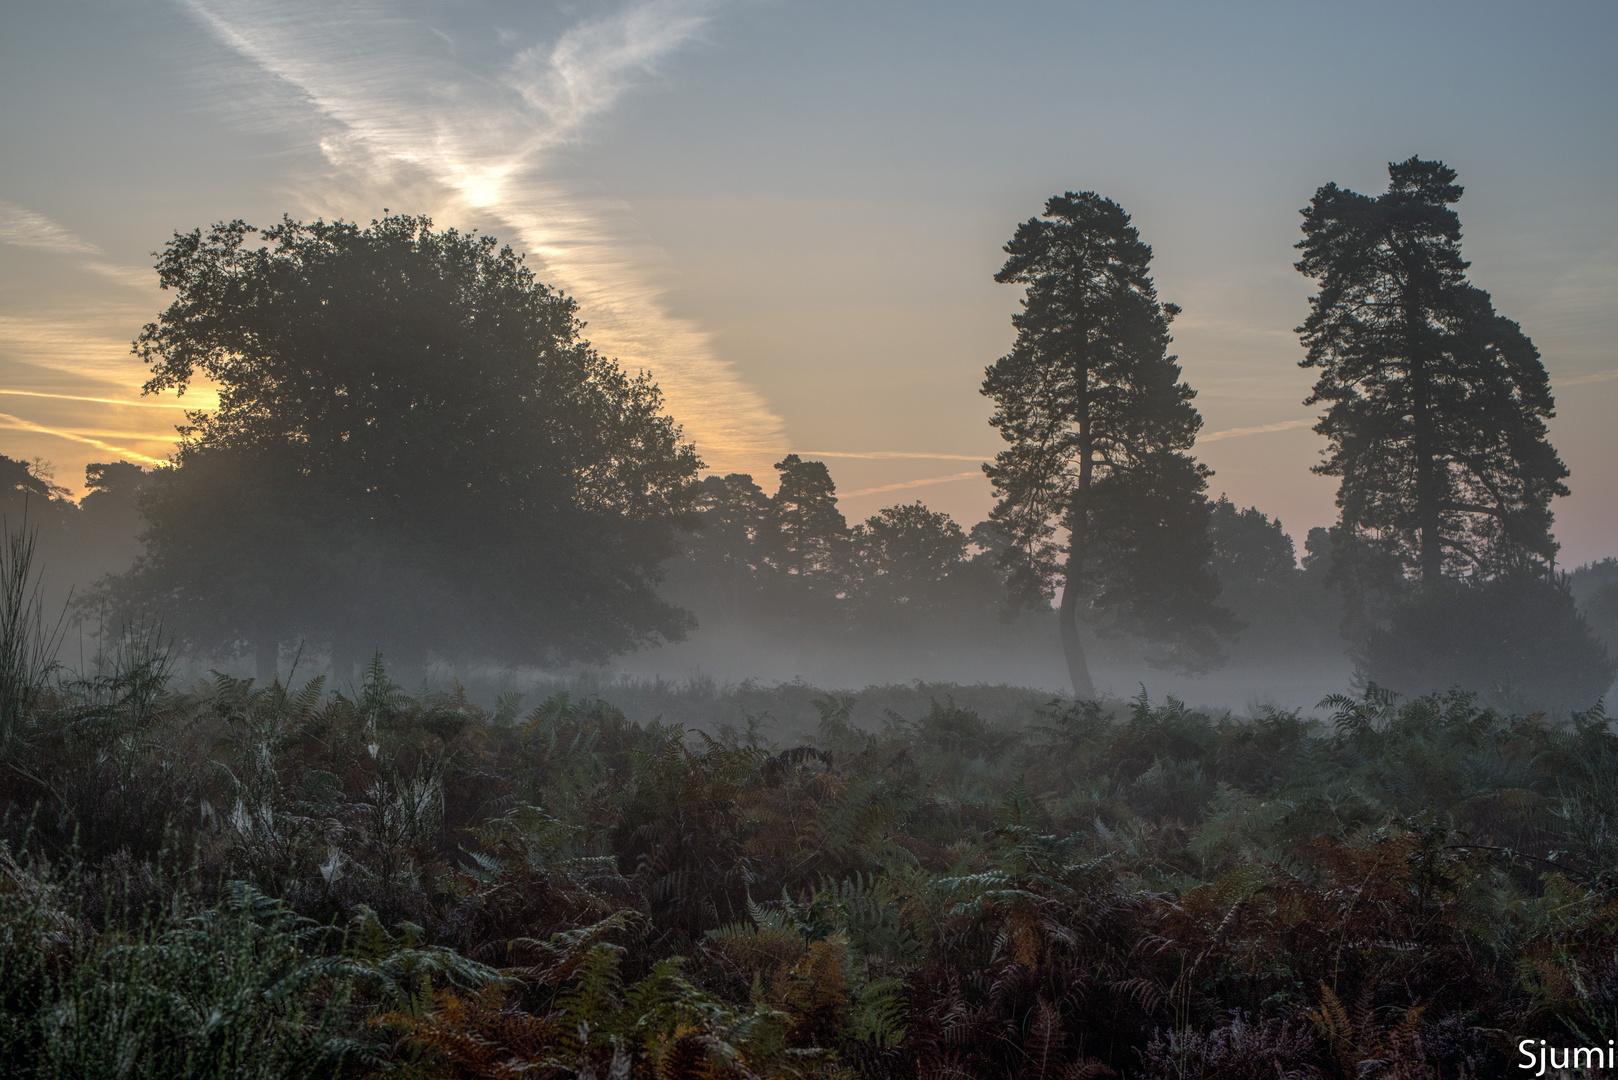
[(888, 455), (913, 484), (17, 423), (403, 105), (1233, 433), (106, 400)]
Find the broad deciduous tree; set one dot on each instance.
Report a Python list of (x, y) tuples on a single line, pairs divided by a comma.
[(1100, 426), (907, 557), (414, 449)]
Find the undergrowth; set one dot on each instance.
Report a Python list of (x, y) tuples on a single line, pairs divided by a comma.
[(231, 879)]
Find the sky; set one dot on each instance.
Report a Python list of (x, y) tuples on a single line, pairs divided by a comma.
[(791, 213)]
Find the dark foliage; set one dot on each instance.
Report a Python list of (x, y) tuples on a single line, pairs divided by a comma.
[(1435, 405), (1100, 426), (409, 429), (1518, 640)]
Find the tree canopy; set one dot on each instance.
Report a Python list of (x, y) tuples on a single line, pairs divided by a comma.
[(1435, 405), (1100, 426), (414, 448), (789, 567)]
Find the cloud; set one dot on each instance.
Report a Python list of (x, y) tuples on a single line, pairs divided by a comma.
[(594, 63), (1593, 377), (133, 277), (478, 130), (24, 228), (74, 347)]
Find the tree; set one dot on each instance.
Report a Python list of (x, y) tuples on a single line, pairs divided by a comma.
[(1249, 547), (722, 557), (808, 538), (414, 449), (26, 488), (1435, 405), (108, 525), (34, 506), (908, 555), (1100, 425), (1435, 411), (1595, 587)]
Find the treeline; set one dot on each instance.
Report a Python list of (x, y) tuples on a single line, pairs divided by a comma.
[(789, 564), (785, 572)]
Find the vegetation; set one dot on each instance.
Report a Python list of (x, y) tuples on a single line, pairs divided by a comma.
[(789, 566), (1435, 426), (1435, 405), (409, 428), (1100, 427), (245, 880), (262, 878)]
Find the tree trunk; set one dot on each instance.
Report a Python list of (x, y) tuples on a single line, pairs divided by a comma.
[(1429, 525), (1078, 671)]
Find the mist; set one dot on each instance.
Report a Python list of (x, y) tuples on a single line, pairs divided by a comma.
[(712, 540)]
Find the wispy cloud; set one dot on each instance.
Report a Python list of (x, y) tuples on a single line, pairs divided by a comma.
[(1236, 433), (25, 228), (82, 349), (410, 111), (905, 484)]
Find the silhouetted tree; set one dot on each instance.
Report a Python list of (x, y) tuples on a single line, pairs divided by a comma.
[(907, 556), (1517, 639), (1435, 426), (29, 495), (1100, 425), (1249, 547), (1435, 405), (1595, 587), (108, 524), (808, 538), (413, 448)]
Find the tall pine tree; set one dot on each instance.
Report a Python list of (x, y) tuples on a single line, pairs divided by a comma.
[(1100, 426), (1435, 405)]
